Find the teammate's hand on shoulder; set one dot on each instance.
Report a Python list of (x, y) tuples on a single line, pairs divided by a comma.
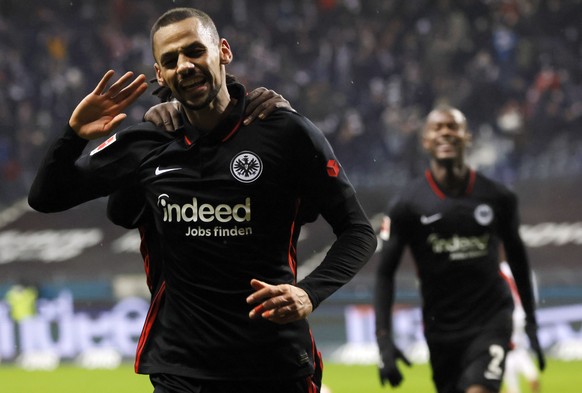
[(282, 303), (262, 102), (531, 330), (165, 115), (389, 355)]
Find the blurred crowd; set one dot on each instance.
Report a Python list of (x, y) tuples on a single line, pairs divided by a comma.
[(365, 71)]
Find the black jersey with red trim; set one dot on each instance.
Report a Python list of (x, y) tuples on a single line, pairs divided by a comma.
[(227, 206), (454, 241)]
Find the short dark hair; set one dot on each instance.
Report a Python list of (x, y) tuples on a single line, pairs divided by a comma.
[(178, 14)]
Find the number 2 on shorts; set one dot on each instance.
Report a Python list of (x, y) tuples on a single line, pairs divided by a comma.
[(494, 370)]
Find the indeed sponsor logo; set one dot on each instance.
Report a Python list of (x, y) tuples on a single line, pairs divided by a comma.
[(460, 247), (219, 231), (205, 212)]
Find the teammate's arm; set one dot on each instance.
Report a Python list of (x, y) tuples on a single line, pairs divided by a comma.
[(518, 261), (390, 257), (261, 103)]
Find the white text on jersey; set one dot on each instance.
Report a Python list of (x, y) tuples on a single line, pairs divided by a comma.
[(205, 212)]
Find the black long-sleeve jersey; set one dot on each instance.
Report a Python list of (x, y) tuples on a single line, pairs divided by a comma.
[(455, 241), (226, 207)]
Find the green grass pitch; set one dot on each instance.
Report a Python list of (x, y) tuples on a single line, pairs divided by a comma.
[(559, 377)]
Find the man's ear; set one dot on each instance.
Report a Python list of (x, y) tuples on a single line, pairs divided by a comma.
[(225, 52), (424, 142), (159, 78)]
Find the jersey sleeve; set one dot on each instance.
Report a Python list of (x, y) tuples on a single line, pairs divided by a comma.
[(516, 253), (67, 177), (326, 187), (59, 184), (393, 244)]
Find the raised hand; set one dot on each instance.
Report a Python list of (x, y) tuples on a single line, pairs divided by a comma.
[(101, 111), (282, 303)]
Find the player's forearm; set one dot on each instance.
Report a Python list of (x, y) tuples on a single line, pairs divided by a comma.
[(516, 255), (57, 180), (384, 288), (519, 264), (383, 302), (525, 289), (349, 253)]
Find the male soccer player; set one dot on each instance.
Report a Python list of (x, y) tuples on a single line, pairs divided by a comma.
[(227, 202), (127, 207), (453, 220)]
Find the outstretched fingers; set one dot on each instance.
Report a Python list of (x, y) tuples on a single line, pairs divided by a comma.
[(121, 92), (102, 85), (114, 123), (126, 95)]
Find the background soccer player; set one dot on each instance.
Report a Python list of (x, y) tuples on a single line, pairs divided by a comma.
[(453, 220)]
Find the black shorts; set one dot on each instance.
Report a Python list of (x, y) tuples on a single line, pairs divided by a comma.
[(167, 383), (479, 359)]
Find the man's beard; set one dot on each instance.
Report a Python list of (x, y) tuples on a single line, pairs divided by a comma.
[(211, 96)]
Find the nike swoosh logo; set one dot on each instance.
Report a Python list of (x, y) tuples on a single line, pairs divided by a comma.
[(160, 171), (425, 220)]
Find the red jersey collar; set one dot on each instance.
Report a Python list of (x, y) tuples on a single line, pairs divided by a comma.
[(440, 193), (227, 127)]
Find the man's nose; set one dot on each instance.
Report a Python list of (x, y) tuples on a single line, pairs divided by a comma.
[(185, 65), (447, 130)]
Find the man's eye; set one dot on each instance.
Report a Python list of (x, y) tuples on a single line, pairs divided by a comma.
[(169, 63), (195, 53)]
